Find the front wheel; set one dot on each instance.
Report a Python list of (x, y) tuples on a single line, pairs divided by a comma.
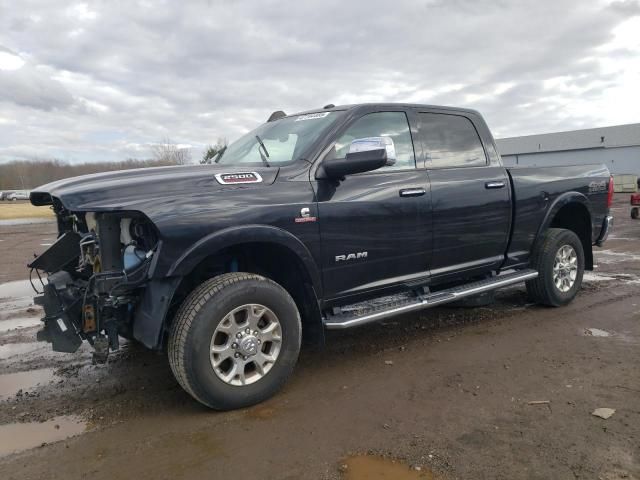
[(235, 340), (559, 259), (635, 213)]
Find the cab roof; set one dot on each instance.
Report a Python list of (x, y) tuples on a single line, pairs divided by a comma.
[(374, 106)]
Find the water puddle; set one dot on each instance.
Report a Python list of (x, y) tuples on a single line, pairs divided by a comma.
[(597, 277), (24, 221), (17, 437), (20, 322), (12, 383), (9, 306), (19, 288), (596, 332), (369, 467), (15, 296), (609, 256), (12, 349)]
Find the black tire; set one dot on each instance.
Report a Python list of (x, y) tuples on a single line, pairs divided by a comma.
[(542, 289), (635, 213), (194, 326)]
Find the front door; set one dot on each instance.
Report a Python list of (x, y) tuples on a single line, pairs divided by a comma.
[(375, 226)]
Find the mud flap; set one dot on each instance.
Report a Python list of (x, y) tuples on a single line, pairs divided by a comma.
[(150, 316)]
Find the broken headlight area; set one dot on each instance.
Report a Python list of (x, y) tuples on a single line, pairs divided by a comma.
[(96, 271)]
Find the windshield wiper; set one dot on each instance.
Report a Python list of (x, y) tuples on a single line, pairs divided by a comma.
[(219, 154), (266, 152)]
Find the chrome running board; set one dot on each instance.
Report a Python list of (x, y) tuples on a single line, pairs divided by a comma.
[(361, 316)]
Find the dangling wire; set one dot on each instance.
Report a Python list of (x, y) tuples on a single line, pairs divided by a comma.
[(39, 278)]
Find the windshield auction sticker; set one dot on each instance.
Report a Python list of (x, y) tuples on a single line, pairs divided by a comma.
[(312, 116), (237, 178)]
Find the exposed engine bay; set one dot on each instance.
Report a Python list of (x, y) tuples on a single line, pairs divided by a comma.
[(95, 273)]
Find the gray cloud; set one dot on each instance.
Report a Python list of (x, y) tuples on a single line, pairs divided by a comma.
[(104, 80), (30, 87)]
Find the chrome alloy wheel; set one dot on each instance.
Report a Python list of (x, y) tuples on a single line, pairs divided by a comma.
[(246, 344), (565, 268)]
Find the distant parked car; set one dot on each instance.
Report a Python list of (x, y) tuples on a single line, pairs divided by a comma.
[(18, 195)]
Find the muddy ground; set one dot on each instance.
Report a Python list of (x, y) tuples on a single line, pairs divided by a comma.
[(447, 393)]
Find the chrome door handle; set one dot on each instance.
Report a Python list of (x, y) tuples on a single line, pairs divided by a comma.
[(494, 185), (412, 192)]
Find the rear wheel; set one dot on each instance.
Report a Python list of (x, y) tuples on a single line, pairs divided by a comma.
[(235, 340), (559, 259), (635, 213)]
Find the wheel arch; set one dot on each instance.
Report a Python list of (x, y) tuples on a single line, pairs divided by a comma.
[(265, 250), (572, 211), (246, 234)]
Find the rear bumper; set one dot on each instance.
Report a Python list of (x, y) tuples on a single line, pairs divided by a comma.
[(607, 225)]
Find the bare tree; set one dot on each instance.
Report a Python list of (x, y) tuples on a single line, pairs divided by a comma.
[(214, 151), (170, 153)]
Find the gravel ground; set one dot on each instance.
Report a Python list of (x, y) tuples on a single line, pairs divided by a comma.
[(505, 391)]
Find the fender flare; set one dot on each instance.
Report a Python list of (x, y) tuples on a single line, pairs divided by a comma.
[(558, 203), (231, 236)]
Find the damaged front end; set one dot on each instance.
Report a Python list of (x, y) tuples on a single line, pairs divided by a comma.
[(96, 274)]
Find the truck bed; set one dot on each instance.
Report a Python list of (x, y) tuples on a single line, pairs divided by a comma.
[(539, 192)]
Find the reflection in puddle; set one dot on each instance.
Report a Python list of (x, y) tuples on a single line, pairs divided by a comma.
[(16, 437), (368, 467), (12, 383), (21, 322)]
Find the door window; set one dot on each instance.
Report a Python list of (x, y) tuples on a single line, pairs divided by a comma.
[(451, 141), (382, 124)]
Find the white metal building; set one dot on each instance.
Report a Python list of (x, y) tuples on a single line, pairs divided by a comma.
[(617, 147)]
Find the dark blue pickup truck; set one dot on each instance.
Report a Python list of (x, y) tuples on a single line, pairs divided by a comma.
[(327, 219)]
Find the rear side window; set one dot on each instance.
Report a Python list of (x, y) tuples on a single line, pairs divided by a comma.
[(451, 141)]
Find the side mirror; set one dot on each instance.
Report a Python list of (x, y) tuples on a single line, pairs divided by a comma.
[(375, 143), (365, 155)]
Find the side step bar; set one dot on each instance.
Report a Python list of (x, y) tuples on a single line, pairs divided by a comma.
[(362, 316)]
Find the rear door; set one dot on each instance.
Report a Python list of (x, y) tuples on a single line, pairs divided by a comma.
[(470, 193), (375, 226)]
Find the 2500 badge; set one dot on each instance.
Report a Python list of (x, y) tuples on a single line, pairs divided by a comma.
[(236, 178), (598, 186)]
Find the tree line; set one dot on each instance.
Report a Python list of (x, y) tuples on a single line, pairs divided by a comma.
[(28, 174)]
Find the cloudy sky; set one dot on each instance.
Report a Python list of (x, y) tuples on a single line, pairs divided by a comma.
[(105, 80)]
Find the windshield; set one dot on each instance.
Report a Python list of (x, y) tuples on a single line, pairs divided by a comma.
[(278, 142)]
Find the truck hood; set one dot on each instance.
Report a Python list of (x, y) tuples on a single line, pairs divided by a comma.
[(128, 189)]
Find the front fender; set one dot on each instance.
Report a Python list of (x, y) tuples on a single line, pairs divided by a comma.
[(232, 236)]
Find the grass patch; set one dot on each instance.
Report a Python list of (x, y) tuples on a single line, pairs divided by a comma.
[(13, 210)]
